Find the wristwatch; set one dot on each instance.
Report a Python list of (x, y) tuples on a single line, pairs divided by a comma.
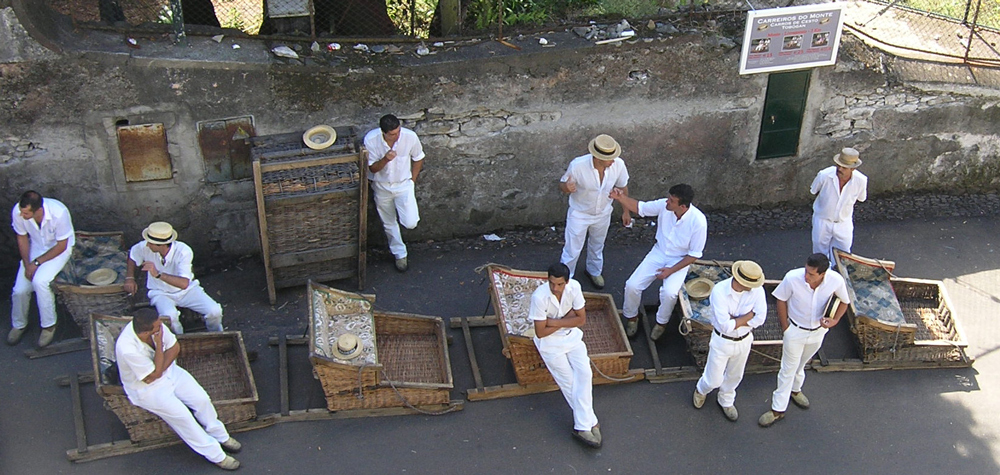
[(36, 263)]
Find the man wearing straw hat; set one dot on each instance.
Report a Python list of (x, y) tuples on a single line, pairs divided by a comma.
[(171, 283), (837, 188), (738, 306), (557, 308), (589, 180), (45, 239), (802, 310), (395, 158), (145, 353), (681, 232)]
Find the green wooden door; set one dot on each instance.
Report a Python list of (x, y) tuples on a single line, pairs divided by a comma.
[(784, 106)]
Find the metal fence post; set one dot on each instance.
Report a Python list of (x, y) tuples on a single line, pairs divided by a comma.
[(972, 29), (177, 18)]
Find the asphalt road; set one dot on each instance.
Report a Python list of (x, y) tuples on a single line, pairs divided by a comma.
[(916, 421)]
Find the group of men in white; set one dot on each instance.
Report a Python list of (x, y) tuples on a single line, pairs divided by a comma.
[(810, 300), (147, 350)]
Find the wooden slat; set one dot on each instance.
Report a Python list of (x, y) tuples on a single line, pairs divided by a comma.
[(487, 321), (262, 221), (315, 162), (679, 373), (362, 218), (297, 281), (472, 354), (65, 346), (514, 389), (289, 259), (83, 377), (643, 317), (78, 426), (320, 414), (304, 198), (283, 373)]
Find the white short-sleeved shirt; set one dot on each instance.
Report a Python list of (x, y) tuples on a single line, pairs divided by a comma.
[(727, 303), (805, 305), (135, 360), (177, 262), (544, 305), (56, 226), (591, 195), (835, 204), (407, 147), (677, 238)]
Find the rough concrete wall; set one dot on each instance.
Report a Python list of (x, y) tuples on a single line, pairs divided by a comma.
[(498, 131)]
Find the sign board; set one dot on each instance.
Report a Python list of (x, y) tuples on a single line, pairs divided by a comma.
[(781, 39)]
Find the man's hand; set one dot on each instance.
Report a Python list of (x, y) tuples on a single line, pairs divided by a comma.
[(389, 156), (827, 322), (158, 338), (627, 219), (616, 194), (29, 270), (150, 268), (569, 186), (130, 286), (664, 272)]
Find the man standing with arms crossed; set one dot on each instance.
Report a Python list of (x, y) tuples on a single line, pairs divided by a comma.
[(589, 180), (395, 158), (681, 231), (837, 188), (802, 298)]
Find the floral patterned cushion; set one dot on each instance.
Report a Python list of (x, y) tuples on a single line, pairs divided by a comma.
[(514, 292), (336, 313)]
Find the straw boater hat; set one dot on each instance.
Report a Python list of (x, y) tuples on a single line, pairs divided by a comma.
[(102, 276), (604, 147), (848, 158), (748, 273), (699, 288), (319, 137), (348, 347), (159, 233)]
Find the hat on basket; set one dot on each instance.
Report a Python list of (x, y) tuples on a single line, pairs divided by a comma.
[(604, 147), (319, 137), (699, 288), (159, 232), (102, 276), (748, 273), (848, 158), (348, 347)]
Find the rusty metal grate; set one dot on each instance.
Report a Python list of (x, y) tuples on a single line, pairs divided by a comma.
[(144, 152)]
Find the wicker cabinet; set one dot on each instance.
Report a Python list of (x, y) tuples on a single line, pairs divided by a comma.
[(312, 208)]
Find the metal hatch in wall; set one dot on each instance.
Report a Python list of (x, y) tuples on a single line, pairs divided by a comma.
[(144, 154), (784, 107)]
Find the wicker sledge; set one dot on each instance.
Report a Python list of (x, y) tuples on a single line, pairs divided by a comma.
[(403, 360), (604, 335), (93, 251), (217, 360), (898, 319), (765, 352)]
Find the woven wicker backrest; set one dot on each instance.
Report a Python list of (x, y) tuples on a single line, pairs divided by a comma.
[(868, 284), (512, 290), (94, 251), (335, 312)]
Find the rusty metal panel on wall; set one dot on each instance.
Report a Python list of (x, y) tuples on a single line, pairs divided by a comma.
[(225, 149), (144, 152)]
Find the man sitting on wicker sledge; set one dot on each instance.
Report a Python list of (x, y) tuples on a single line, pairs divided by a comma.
[(557, 308), (145, 352)]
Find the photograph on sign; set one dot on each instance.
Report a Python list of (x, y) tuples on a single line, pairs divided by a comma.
[(782, 39)]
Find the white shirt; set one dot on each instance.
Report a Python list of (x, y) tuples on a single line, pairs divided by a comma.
[(835, 204), (135, 359), (677, 238), (56, 226), (727, 303), (591, 195), (177, 262), (544, 305), (805, 305), (407, 149)]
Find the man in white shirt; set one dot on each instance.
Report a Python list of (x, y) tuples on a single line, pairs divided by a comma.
[(145, 353), (557, 308), (589, 180), (738, 306), (837, 188), (395, 158), (802, 304), (169, 278), (45, 239), (681, 231)]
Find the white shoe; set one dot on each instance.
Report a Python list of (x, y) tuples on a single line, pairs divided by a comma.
[(698, 399), (228, 463), (232, 445), (14, 337), (46, 336)]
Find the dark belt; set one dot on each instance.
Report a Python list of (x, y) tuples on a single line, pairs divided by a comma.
[(729, 337), (802, 327)]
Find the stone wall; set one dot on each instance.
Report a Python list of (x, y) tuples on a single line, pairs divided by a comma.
[(498, 126)]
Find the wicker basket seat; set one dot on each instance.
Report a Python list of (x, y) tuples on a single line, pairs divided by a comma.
[(899, 319), (604, 335), (404, 357), (93, 251), (217, 360), (765, 353)]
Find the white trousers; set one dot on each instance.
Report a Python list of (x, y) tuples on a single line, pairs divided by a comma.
[(195, 298), (727, 359), (171, 400), (396, 204), (41, 285), (798, 346), (582, 228), (643, 276), (827, 235), (567, 361)]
